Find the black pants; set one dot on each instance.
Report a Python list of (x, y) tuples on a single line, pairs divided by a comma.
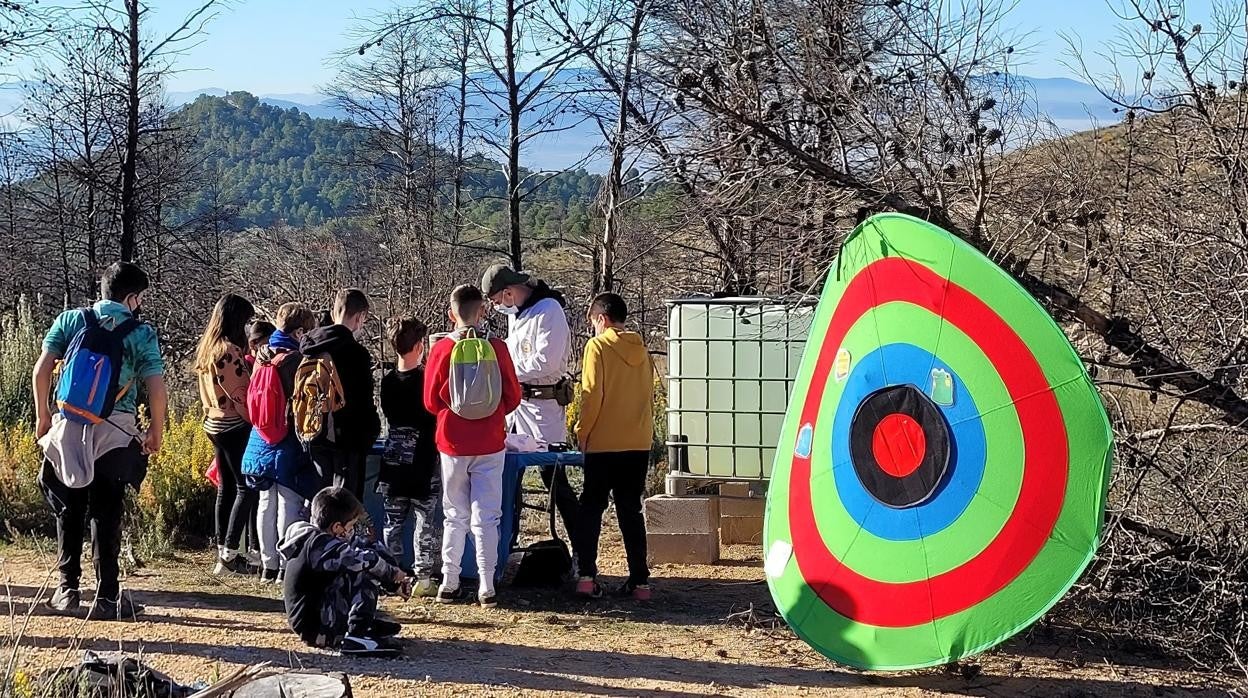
[(339, 467), (102, 502), (236, 502), (622, 476)]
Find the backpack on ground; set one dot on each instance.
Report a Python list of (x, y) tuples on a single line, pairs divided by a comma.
[(475, 381), (88, 387), (318, 395), (266, 401)]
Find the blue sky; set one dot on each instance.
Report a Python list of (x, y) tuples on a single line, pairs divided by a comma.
[(281, 46)]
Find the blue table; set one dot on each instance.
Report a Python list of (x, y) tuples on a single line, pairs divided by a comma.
[(513, 475)]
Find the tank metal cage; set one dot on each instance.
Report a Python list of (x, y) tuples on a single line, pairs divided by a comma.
[(731, 367)]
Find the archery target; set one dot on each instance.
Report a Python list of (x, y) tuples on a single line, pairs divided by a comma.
[(941, 476)]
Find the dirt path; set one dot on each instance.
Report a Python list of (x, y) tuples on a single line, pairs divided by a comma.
[(687, 642)]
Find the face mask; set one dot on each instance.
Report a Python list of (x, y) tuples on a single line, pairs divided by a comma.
[(506, 309)]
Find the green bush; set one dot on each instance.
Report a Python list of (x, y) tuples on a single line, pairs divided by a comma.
[(20, 339), (22, 507)]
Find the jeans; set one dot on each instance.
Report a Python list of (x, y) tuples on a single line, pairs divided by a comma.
[(236, 502), (472, 494), (102, 502), (279, 508), (340, 468), (622, 476)]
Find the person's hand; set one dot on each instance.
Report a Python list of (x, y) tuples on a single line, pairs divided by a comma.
[(152, 441), (43, 424)]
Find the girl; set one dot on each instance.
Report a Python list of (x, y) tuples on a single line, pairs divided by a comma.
[(223, 376)]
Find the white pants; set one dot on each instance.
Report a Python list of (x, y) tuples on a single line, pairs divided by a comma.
[(279, 508), (471, 486), (544, 420)]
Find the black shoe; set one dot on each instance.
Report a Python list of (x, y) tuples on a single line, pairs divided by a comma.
[(449, 595), (488, 600), (65, 600), (353, 646), (235, 565), (110, 609), (271, 576), (383, 628)]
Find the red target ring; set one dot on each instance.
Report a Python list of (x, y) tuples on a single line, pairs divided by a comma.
[(1042, 491), (898, 444)]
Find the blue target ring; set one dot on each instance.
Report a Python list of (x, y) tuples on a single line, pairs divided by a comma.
[(908, 364)]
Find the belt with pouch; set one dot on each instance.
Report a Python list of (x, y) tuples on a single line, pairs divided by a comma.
[(537, 392)]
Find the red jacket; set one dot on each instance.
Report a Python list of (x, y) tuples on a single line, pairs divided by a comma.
[(468, 437)]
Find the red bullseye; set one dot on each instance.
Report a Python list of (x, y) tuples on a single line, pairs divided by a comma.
[(898, 444)]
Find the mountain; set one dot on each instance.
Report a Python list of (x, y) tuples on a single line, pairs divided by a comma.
[(1073, 105)]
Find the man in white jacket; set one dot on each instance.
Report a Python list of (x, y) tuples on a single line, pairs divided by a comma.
[(540, 343)]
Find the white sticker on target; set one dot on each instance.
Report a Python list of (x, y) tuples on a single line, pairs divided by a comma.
[(778, 558)]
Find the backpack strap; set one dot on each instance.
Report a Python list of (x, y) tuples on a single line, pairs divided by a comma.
[(89, 316), (125, 328)]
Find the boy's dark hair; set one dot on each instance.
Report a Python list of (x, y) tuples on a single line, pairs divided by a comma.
[(324, 318), (258, 333), (122, 279), (466, 301), (335, 505), (404, 333), (611, 305), (349, 302)]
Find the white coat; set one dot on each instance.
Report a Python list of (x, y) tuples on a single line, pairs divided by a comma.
[(540, 343)]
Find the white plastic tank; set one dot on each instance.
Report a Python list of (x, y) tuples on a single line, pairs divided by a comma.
[(731, 367)]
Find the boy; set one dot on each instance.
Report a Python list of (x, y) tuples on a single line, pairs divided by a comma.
[(340, 460), (332, 580), (615, 431), (409, 481), (473, 450), (86, 467)]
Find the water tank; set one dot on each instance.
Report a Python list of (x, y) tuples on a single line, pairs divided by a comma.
[(731, 367)]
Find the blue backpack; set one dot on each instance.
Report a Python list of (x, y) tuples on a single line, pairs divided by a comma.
[(91, 371)]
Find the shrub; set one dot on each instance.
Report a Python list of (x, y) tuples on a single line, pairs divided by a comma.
[(20, 339), (22, 507), (176, 501)]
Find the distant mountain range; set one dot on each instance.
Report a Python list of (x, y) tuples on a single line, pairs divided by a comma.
[(1072, 105)]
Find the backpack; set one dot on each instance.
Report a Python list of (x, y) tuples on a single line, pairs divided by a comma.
[(474, 379), (318, 395), (91, 371), (266, 401)]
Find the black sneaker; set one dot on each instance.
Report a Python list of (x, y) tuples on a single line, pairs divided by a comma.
[(65, 600), (110, 609), (449, 595), (353, 646), (235, 565), (488, 600), (271, 576), (383, 628)]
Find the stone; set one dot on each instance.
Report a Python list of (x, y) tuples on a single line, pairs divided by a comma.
[(683, 515), (683, 548)]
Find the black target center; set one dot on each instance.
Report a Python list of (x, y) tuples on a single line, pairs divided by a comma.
[(899, 444)]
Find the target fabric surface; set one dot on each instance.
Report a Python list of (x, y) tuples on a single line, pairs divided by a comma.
[(940, 481)]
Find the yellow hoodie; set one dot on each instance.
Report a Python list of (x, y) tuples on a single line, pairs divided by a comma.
[(617, 394)]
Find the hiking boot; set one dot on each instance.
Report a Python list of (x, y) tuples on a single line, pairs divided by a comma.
[(425, 588), (449, 595), (271, 576), (111, 609), (65, 600), (356, 646), (637, 592), (235, 565), (488, 600), (588, 587), (383, 628)]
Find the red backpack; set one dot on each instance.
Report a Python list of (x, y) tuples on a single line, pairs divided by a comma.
[(266, 401)]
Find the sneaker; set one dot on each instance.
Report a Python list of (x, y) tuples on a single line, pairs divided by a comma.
[(65, 600), (588, 587), (449, 595), (235, 565), (110, 609), (488, 600), (638, 592), (271, 576), (252, 557), (383, 628), (425, 588), (354, 646)]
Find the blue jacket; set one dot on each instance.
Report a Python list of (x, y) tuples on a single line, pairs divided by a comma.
[(286, 462)]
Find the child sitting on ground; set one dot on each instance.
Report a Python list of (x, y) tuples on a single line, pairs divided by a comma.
[(409, 481), (333, 577)]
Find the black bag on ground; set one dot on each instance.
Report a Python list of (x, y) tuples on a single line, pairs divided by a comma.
[(546, 563)]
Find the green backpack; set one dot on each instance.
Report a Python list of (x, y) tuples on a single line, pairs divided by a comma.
[(476, 383)]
